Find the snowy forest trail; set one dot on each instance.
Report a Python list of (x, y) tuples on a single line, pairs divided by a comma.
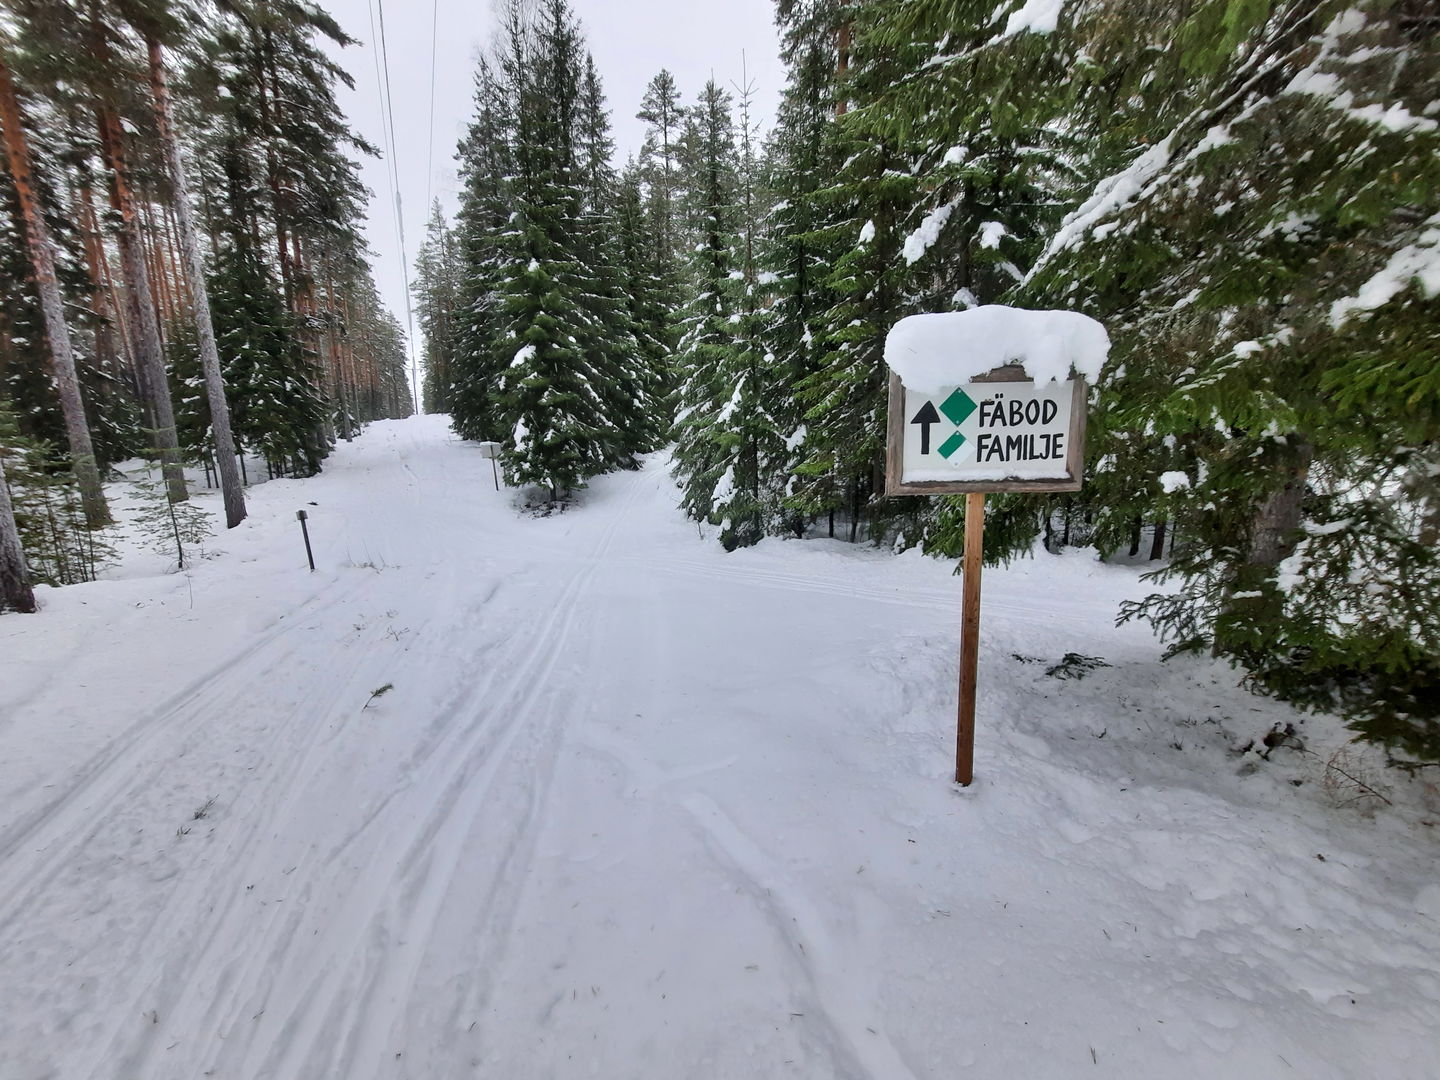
[(635, 807)]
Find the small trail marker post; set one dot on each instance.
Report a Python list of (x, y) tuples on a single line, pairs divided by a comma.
[(301, 516), (491, 450), (986, 400)]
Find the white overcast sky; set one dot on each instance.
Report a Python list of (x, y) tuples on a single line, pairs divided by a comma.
[(630, 39)]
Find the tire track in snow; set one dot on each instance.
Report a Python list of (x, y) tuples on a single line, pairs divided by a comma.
[(184, 1001), (1044, 607), (763, 578), (850, 1019), (168, 989), (242, 982), (69, 821), (348, 1012), (215, 1011)]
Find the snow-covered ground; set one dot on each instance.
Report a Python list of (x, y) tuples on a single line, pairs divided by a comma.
[(634, 808)]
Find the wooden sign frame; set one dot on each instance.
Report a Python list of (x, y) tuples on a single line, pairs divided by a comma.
[(895, 445)]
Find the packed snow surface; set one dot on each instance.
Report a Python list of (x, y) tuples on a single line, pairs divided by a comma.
[(950, 347), (636, 808)]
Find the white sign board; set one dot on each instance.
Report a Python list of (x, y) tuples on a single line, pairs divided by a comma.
[(1001, 432), (490, 450)]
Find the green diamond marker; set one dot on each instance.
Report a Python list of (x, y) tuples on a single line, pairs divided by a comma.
[(954, 442), (957, 407)]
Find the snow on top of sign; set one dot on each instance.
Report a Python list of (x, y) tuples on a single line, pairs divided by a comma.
[(930, 351)]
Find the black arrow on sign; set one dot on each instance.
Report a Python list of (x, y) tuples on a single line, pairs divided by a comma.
[(925, 417)]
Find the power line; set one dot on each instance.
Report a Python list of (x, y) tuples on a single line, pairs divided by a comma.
[(387, 140), (430, 150), (387, 102)]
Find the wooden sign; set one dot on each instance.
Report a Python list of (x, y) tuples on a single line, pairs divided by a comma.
[(997, 432), (968, 418)]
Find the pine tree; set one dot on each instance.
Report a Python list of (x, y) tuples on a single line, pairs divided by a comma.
[(113, 80), (278, 158), (42, 264), (664, 115), (218, 409), (15, 588), (375, 335), (662, 177)]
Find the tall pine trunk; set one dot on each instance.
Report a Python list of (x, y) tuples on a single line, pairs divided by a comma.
[(149, 354), (14, 581), (42, 263), (113, 312), (230, 485)]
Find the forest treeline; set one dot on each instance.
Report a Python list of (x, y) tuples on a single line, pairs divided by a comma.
[(1245, 192), (182, 271)]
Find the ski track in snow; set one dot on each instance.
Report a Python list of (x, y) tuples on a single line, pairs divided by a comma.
[(834, 990), (637, 808), (332, 1016)]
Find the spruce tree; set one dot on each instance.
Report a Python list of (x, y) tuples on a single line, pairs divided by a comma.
[(705, 355), (552, 386), (276, 406), (437, 299), (648, 300), (57, 545), (747, 499), (868, 213), (800, 249), (1260, 256), (629, 377), (487, 172)]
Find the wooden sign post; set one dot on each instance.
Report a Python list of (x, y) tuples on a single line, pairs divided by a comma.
[(969, 637), (999, 430)]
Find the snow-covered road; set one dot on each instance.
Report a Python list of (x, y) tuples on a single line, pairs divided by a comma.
[(634, 807)]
